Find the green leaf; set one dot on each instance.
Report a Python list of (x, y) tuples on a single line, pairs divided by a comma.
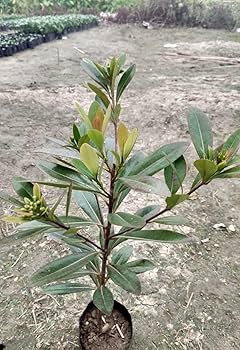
[(200, 131), (66, 288), (89, 157), (91, 69), (140, 265), (100, 94), (60, 268), (197, 181), (121, 256), (106, 118), (172, 220), (126, 170), (125, 80), (81, 168), (78, 274), (69, 197), (161, 236), (121, 60), (175, 173), (60, 152), (124, 278), (6, 198), (234, 161), (103, 300), (27, 230), (22, 187), (77, 221), (145, 184), (149, 211), (232, 143), (74, 241), (159, 159), (126, 220), (84, 116), (176, 199), (231, 173), (206, 168), (97, 137), (68, 175), (88, 203), (93, 110), (76, 133), (130, 142)]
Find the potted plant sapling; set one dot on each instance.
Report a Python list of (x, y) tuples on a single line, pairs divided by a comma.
[(96, 169)]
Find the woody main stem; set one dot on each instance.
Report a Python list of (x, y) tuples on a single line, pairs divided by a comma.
[(107, 231)]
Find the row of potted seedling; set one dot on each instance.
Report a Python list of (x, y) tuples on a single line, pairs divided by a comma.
[(16, 42), (33, 31), (49, 24)]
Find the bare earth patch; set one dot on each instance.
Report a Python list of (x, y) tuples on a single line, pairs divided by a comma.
[(191, 300)]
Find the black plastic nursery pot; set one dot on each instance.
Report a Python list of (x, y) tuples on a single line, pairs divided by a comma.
[(98, 331)]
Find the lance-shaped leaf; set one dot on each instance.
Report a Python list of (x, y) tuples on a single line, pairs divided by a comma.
[(81, 168), (94, 72), (27, 230), (60, 268), (124, 278), (232, 144), (89, 157), (100, 94), (161, 236), (146, 213), (125, 80), (175, 173), (159, 159), (93, 109), (84, 116), (97, 137), (122, 136), (98, 119), (140, 265), (22, 187), (149, 211), (147, 184), (68, 175), (197, 181), (60, 152), (77, 221), (200, 131), (88, 203), (106, 118), (233, 172), (103, 300), (76, 133), (129, 144), (78, 274), (121, 256), (69, 197), (75, 241), (7, 198), (66, 288), (172, 220), (206, 168), (121, 60), (126, 220), (176, 199)]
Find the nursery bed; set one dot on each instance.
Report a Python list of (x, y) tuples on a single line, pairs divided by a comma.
[(33, 31)]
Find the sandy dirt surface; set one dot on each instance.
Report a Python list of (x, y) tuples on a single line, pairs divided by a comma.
[(192, 299)]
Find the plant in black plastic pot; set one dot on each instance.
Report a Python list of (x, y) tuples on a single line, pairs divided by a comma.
[(97, 169)]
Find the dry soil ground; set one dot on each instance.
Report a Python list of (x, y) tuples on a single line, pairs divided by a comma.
[(192, 299)]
